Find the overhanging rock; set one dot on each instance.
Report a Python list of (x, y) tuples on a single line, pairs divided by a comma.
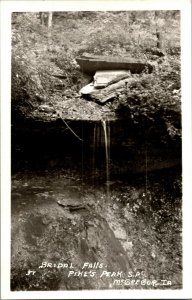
[(90, 64)]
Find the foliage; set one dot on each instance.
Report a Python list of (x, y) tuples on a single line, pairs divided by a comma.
[(44, 69), (154, 100)]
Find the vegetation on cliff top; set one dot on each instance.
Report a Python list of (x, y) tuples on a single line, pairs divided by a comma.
[(46, 78)]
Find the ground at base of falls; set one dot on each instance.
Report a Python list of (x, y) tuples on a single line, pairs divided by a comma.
[(74, 233)]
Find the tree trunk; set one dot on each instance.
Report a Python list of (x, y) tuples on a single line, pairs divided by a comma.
[(46, 18), (50, 16), (42, 18), (127, 21), (159, 34), (49, 25), (160, 45)]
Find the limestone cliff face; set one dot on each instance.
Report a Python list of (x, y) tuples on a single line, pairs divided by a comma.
[(46, 81)]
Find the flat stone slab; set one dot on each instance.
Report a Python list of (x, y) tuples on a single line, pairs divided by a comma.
[(90, 64), (104, 78)]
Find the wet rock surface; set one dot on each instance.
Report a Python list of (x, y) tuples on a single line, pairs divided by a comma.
[(135, 229)]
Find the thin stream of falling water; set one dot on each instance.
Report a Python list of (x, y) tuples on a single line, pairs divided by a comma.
[(109, 144), (94, 150), (146, 165), (106, 130)]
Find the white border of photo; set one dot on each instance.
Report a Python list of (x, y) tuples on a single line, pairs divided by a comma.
[(65, 5)]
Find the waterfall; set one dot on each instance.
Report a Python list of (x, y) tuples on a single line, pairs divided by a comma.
[(106, 129), (94, 151), (100, 137)]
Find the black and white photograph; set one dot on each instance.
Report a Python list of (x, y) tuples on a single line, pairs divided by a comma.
[(96, 139)]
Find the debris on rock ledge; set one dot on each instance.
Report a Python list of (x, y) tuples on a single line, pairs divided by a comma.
[(112, 74), (107, 93)]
